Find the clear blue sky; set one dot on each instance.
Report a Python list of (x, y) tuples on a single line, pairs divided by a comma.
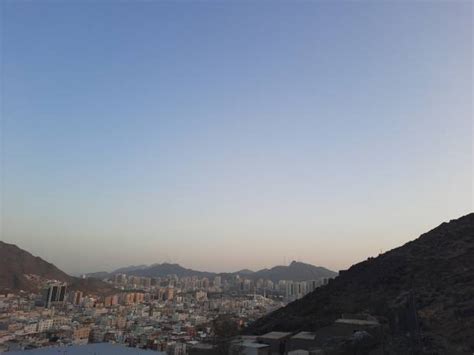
[(224, 135)]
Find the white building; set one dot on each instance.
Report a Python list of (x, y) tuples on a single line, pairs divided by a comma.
[(45, 325)]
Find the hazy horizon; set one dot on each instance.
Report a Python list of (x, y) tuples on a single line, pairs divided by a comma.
[(285, 261), (223, 136)]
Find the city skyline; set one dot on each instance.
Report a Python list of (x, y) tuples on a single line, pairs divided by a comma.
[(229, 136)]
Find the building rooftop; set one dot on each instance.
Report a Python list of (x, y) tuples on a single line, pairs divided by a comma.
[(357, 321), (97, 349), (275, 335), (304, 336), (201, 346), (248, 337), (249, 344)]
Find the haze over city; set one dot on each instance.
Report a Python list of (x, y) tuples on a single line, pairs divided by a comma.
[(229, 136)]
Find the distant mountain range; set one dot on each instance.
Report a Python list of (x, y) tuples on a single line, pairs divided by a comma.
[(423, 289), (21, 271), (296, 271)]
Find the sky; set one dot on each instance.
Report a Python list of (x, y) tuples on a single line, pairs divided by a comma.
[(229, 135)]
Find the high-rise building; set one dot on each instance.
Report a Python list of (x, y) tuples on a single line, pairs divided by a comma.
[(110, 301), (120, 279), (169, 294), (75, 297), (54, 294), (312, 285), (289, 289)]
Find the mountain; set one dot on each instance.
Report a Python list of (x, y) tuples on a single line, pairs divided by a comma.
[(424, 288), (296, 271), (155, 271), (16, 264), (20, 270), (127, 269), (98, 275), (244, 272), (162, 270)]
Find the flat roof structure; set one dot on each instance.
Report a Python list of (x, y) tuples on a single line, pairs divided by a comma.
[(254, 345), (275, 335), (357, 321), (304, 336)]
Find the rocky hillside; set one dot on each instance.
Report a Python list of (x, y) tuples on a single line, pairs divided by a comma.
[(424, 288), (21, 271), (16, 266)]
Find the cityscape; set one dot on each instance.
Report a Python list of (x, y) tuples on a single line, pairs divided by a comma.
[(396, 303), (236, 177), (174, 315)]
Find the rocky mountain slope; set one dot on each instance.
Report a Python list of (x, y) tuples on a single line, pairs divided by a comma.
[(423, 289), (21, 271)]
